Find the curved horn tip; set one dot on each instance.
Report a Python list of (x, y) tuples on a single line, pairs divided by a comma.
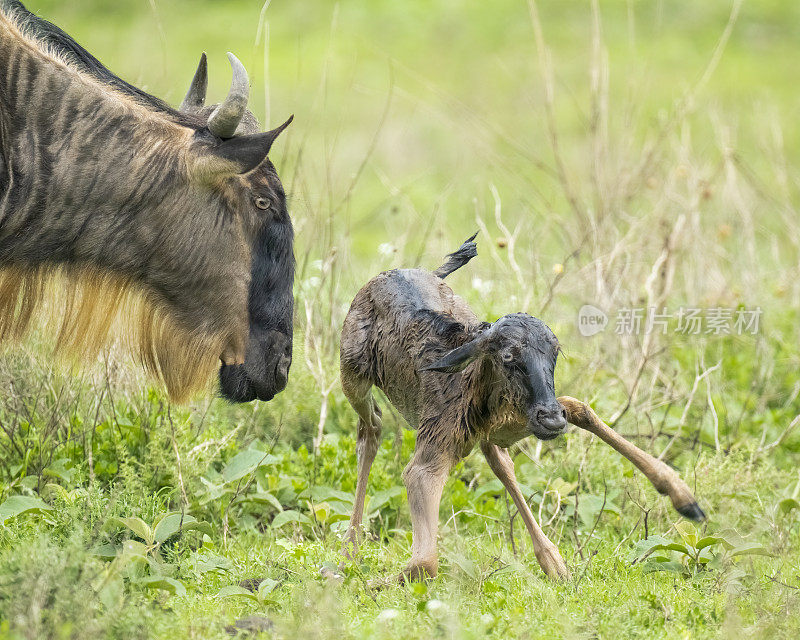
[(227, 116), (239, 72)]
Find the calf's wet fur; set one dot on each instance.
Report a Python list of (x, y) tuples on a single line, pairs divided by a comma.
[(460, 382)]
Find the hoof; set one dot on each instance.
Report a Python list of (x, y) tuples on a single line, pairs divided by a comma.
[(692, 511), (419, 572), (553, 564)]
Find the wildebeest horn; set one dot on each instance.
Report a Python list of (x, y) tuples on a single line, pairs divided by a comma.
[(196, 96), (227, 116)]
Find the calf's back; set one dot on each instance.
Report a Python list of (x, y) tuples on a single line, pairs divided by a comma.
[(399, 321)]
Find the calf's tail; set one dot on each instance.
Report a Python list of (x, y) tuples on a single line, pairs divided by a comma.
[(458, 258)]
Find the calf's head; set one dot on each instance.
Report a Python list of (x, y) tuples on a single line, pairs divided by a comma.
[(522, 352)]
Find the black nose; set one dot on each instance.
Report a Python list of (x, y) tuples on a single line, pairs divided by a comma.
[(282, 372), (552, 418)]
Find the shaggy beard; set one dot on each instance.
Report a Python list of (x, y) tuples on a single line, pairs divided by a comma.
[(86, 310)]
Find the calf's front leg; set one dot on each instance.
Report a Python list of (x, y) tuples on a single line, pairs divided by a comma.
[(664, 479), (547, 554), (424, 478)]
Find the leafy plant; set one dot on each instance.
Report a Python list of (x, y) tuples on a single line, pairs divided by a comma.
[(18, 505), (692, 553), (163, 527), (131, 559), (260, 596)]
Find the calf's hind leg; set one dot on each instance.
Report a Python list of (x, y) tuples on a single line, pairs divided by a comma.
[(546, 552), (359, 393), (664, 479)]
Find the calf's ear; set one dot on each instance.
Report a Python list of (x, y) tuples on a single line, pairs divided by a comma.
[(457, 359)]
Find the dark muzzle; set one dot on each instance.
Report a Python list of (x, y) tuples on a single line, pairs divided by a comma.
[(549, 421), (264, 373)]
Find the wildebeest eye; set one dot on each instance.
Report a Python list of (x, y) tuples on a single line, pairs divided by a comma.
[(507, 356), (262, 203)]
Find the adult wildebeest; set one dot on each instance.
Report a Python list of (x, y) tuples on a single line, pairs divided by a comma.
[(459, 382), (170, 224)]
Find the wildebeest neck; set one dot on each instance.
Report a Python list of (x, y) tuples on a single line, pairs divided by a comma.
[(492, 404), (67, 49)]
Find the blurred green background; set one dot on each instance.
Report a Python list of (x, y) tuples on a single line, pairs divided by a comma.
[(465, 88)]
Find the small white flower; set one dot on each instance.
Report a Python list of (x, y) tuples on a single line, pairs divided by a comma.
[(388, 615), (386, 249), (484, 287), (436, 607)]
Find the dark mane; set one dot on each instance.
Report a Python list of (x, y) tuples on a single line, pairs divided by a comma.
[(62, 44)]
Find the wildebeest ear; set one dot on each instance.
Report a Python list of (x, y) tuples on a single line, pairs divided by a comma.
[(457, 359), (245, 153)]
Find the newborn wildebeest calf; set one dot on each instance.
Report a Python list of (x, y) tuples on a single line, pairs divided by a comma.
[(460, 381)]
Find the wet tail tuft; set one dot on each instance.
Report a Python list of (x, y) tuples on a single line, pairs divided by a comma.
[(458, 258)]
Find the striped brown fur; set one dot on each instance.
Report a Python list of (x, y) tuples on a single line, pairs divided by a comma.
[(121, 217)]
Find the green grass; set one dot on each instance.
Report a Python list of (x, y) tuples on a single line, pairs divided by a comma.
[(646, 181)]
